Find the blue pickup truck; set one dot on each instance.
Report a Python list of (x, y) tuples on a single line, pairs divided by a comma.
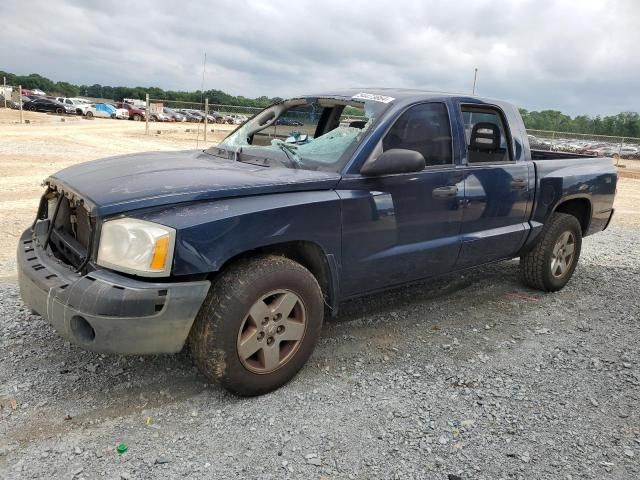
[(241, 249)]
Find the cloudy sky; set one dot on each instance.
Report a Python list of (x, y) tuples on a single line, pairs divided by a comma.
[(579, 57)]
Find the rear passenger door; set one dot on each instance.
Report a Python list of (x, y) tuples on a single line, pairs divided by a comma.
[(496, 188)]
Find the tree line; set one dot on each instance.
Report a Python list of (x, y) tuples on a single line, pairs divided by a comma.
[(625, 124), (66, 89)]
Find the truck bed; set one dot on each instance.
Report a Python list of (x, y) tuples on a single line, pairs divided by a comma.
[(551, 155), (561, 176)]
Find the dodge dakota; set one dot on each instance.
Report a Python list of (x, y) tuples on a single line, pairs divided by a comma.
[(240, 250)]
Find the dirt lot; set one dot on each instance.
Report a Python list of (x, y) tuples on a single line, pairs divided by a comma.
[(476, 377)]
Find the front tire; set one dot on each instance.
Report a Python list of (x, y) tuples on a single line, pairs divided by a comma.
[(258, 325), (551, 263)]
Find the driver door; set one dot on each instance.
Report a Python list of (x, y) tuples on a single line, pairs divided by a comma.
[(403, 227)]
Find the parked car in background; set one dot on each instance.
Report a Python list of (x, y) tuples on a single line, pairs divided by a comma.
[(35, 91), (160, 117), (41, 104), (106, 110), (199, 116), (79, 105), (211, 118), (627, 151), (238, 119), (135, 113), (177, 116), (221, 117), (189, 116), (216, 116), (120, 113), (607, 150), (15, 104)]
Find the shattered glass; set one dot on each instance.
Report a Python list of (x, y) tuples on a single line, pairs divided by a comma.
[(326, 152), (330, 146)]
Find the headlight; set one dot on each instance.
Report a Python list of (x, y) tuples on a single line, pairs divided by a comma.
[(137, 247)]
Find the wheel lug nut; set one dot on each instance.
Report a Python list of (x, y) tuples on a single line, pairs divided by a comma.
[(265, 321), (260, 336), (269, 340), (278, 316), (280, 329)]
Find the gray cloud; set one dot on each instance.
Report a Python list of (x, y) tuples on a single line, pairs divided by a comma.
[(576, 57)]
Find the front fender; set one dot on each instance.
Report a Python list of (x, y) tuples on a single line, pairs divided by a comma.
[(211, 233)]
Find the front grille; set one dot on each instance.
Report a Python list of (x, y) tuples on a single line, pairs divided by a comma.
[(70, 229)]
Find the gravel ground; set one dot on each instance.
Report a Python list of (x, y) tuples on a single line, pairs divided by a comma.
[(480, 378)]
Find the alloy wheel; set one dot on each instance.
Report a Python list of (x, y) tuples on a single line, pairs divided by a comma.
[(563, 254), (272, 331)]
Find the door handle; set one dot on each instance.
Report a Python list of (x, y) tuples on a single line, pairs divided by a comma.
[(442, 193), (519, 184)]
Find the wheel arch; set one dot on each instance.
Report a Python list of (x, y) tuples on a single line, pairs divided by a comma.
[(309, 254), (580, 207)]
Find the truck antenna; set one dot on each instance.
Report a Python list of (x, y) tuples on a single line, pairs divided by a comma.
[(204, 66), (475, 78)]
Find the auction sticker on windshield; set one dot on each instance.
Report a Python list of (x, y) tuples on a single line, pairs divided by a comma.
[(375, 98)]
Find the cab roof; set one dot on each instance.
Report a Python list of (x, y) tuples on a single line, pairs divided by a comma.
[(404, 95)]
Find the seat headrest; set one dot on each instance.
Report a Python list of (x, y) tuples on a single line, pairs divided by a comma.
[(485, 136)]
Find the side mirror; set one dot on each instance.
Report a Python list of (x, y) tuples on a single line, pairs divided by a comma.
[(396, 160)]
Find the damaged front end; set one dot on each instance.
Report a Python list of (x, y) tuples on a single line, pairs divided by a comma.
[(94, 307), (64, 227)]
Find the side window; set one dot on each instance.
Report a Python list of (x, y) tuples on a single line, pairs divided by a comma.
[(425, 129), (486, 135)]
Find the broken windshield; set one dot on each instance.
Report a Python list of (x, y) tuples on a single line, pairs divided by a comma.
[(311, 133)]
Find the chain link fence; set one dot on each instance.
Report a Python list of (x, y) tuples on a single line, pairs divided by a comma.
[(11, 98), (618, 148)]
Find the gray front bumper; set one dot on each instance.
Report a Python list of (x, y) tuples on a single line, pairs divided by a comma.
[(106, 312)]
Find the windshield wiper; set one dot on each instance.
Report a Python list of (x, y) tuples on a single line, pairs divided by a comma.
[(290, 153)]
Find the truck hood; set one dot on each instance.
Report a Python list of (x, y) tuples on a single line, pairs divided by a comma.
[(129, 182)]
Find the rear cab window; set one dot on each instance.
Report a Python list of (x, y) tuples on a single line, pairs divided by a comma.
[(486, 134)]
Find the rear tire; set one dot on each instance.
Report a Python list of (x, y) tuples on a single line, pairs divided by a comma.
[(137, 118), (551, 263), (241, 315), (89, 114)]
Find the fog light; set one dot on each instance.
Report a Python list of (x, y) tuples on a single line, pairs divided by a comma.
[(82, 329)]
